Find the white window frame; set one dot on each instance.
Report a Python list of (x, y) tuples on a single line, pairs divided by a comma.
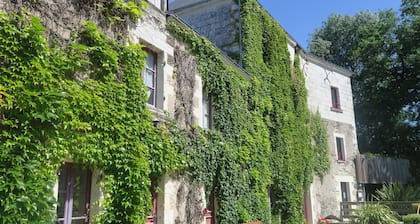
[(153, 70)]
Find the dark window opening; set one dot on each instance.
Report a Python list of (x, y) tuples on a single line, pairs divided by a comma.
[(74, 186), (340, 149), (335, 98), (345, 195), (152, 218), (345, 191)]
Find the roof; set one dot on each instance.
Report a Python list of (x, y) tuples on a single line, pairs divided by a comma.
[(226, 58), (182, 5)]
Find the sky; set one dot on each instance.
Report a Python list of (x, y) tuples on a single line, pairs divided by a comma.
[(301, 17)]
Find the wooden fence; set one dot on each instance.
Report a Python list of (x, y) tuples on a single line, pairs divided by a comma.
[(401, 207)]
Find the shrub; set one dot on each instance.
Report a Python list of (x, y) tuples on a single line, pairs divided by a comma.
[(411, 219), (374, 214), (398, 192)]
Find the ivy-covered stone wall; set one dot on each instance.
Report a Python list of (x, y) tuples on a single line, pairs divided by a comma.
[(83, 99), (271, 144), (80, 99)]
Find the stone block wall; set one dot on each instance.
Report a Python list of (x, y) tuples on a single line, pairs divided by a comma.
[(217, 20), (326, 193), (178, 201), (60, 17)]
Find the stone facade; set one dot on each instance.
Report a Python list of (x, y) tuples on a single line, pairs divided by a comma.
[(177, 201), (217, 20), (325, 194), (340, 183)]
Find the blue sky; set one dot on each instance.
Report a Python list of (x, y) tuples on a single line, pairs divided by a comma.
[(301, 17)]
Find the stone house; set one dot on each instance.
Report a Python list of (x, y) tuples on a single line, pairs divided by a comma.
[(79, 191), (329, 92), (178, 201)]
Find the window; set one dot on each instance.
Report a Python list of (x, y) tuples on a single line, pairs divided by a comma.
[(345, 196), (340, 148), (74, 185), (335, 98), (345, 191), (211, 215), (205, 123), (307, 208), (152, 218), (149, 76)]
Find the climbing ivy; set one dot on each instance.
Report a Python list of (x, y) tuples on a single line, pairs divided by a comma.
[(117, 10), (84, 103), (265, 142), (293, 159), (231, 160)]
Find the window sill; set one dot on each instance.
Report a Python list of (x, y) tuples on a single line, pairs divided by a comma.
[(338, 110), (341, 161), (158, 113)]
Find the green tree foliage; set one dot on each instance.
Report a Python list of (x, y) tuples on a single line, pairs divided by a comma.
[(383, 51), (374, 214)]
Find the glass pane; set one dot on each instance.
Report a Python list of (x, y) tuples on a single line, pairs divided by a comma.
[(80, 188), (149, 78), (74, 186), (150, 61), (344, 191), (62, 189), (60, 206), (151, 94), (206, 112), (334, 96), (340, 148)]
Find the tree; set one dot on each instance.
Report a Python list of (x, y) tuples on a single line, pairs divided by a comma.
[(383, 50)]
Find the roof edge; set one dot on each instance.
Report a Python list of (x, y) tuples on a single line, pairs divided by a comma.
[(226, 58)]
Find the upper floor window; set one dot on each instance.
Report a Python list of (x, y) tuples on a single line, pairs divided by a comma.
[(335, 98), (206, 116), (149, 76), (74, 185), (340, 149)]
